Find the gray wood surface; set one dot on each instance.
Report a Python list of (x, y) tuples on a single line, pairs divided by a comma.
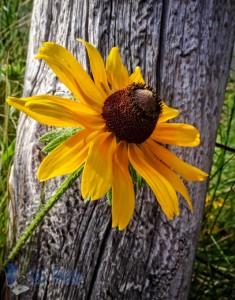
[(184, 50)]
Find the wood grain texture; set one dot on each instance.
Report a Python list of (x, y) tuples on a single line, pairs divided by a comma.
[(184, 50)]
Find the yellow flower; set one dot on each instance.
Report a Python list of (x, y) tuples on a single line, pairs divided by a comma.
[(123, 121), (216, 201)]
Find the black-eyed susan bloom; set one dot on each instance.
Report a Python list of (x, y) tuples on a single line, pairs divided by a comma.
[(123, 124)]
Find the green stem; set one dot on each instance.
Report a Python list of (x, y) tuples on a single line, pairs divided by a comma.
[(44, 210)]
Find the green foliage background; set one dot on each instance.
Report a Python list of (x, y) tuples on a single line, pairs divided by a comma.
[(14, 30), (214, 270)]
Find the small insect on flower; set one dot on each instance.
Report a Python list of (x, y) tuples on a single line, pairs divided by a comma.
[(124, 126)]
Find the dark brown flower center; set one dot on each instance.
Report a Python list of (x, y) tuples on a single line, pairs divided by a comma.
[(132, 113)]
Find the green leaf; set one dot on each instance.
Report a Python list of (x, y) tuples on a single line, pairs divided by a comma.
[(56, 137), (138, 181), (9, 152), (109, 197)]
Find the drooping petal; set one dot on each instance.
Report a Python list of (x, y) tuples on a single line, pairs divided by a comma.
[(176, 134), (97, 174), (165, 171), (187, 171), (97, 68), (19, 103), (136, 76), (116, 72), (67, 157), (167, 113), (162, 189), (57, 111), (71, 73), (123, 197)]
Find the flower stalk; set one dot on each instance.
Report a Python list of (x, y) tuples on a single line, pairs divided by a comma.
[(68, 182)]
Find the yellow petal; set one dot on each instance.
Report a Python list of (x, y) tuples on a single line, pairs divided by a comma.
[(97, 68), (116, 72), (97, 174), (123, 197), (187, 171), (167, 114), (67, 157), (57, 111), (71, 73), (19, 103), (165, 171), (164, 192), (136, 76), (176, 134)]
